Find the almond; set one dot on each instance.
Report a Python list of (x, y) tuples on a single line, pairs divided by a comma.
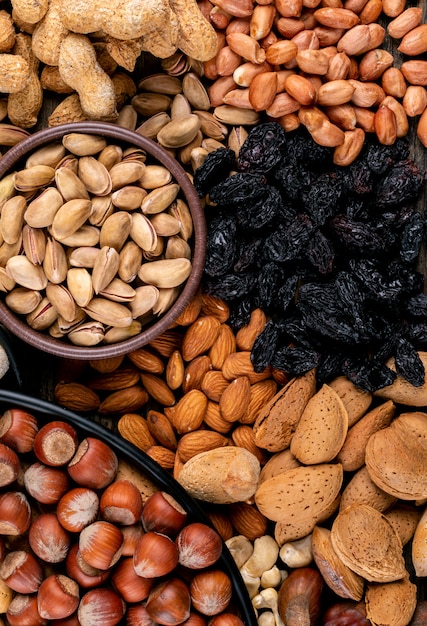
[(356, 401), (213, 305), (277, 464), (247, 520), (191, 311), (362, 490), (164, 457), (384, 602), (213, 385), (243, 436), (107, 364), (246, 335), (124, 401), (146, 360), (404, 518), (285, 531), (119, 379), (235, 399), (261, 394), (161, 429), (198, 441), (175, 370), (76, 396), (240, 364), (195, 372), (221, 522), (167, 342), (158, 389), (200, 336), (402, 392), (214, 420), (190, 411), (223, 346), (133, 427)]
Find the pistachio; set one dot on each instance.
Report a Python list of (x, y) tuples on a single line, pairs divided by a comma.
[(94, 175), (110, 155), (142, 232), (50, 155), (145, 300), (130, 261), (105, 268), (166, 299), (126, 173), (7, 188), (108, 312), (34, 178), (42, 316), (41, 211), (151, 127), (70, 217), (84, 256), (155, 176), (130, 197), (7, 283), (159, 199), (87, 334), (115, 334), (119, 291), (55, 261), (165, 272), (165, 225), (85, 236), (12, 218), (179, 132), (115, 230), (179, 209), (34, 244), (63, 301), (79, 283), (22, 300), (177, 247), (25, 273), (195, 92), (102, 208), (83, 144)]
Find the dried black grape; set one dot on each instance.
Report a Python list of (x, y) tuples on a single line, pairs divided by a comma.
[(355, 236), (368, 375), (265, 346), (416, 333), (329, 366), (358, 178), (293, 179), (412, 238), (286, 293), (247, 254), (287, 243), (262, 149), (263, 212), (401, 184), (215, 167), (320, 252), (240, 313), (321, 200), (295, 360), (416, 306), (356, 208), (408, 363), (270, 278), (221, 244), (240, 187), (380, 157), (231, 286)]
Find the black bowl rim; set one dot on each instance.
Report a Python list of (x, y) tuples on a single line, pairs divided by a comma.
[(64, 348), (148, 466)]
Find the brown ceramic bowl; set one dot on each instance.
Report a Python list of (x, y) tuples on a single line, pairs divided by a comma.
[(14, 160)]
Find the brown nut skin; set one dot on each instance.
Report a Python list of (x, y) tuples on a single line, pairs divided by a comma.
[(345, 614), (299, 595)]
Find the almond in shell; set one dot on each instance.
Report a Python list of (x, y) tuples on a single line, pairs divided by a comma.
[(340, 578), (396, 457), (401, 391), (391, 603), (322, 428), (276, 422), (356, 401), (361, 489), (299, 494), (404, 518), (367, 543), (288, 531), (221, 476)]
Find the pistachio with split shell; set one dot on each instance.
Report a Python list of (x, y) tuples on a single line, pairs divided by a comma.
[(42, 316), (105, 268), (69, 185), (87, 334), (94, 176), (146, 298), (55, 261), (130, 261), (165, 272), (115, 230), (23, 300), (108, 312), (159, 199), (63, 301), (119, 291), (80, 285), (34, 244), (84, 144), (25, 273)]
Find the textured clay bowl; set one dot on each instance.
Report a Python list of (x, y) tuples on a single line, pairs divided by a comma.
[(46, 412), (15, 158)]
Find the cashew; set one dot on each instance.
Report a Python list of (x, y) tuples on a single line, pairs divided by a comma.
[(264, 556), (268, 599), (266, 618), (297, 553), (252, 583), (240, 548), (273, 577)]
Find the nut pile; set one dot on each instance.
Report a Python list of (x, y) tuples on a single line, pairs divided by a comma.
[(106, 238), (97, 547), (305, 469)]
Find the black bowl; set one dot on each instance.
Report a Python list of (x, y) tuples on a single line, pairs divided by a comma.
[(46, 411)]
